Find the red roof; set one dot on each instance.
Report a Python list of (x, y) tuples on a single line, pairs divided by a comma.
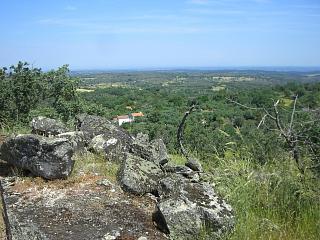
[(139, 114)]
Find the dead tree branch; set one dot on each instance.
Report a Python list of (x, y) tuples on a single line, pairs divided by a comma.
[(292, 114), (180, 131), (242, 105)]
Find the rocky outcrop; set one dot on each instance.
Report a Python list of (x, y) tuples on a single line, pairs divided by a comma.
[(159, 151), (110, 146), (94, 125), (49, 158), (139, 176), (76, 139), (142, 138), (183, 202), (47, 126), (186, 207), (76, 211), (104, 137), (154, 151)]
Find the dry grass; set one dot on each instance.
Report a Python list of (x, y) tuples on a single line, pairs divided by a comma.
[(88, 169), (2, 224)]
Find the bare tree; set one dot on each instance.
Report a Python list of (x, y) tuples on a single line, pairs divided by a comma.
[(297, 139)]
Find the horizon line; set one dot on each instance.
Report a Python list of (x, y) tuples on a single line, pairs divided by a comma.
[(192, 68)]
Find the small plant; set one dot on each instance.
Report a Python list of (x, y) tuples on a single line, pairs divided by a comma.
[(94, 164)]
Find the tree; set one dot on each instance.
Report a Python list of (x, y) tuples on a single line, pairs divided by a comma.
[(23, 88), (62, 89), (300, 135)]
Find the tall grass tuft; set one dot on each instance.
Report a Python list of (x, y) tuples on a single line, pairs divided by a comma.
[(271, 201)]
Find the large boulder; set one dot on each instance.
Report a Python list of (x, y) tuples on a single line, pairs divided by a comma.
[(47, 126), (96, 125), (179, 218), (185, 207), (144, 151), (49, 158), (139, 176), (104, 137), (160, 151), (142, 138), (76, 139), (110, 146), (154, 151)]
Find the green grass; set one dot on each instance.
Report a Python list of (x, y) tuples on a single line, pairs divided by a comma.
[(273, 201), (177, 159), (17, 128), (286, 102), (89, 163)]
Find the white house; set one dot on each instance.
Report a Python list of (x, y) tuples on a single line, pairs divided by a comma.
[(127, 118)]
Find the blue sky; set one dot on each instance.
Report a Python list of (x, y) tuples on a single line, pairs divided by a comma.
[(113, 34)]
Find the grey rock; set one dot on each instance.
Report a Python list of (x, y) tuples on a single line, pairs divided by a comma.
[(49, 158), (194, 177), (169, 167), (154, 151), (47, 126), (179, 218), (178, 169), (110, 146), (139, 176), (95, 125), (194, 164), (187, 206), (142, 238), (76, 139), (104, 137), (183, 170), (142, 138), (143, 151), (160, 151), (112, 236), (97, 143), (75, 212), (170, 185)]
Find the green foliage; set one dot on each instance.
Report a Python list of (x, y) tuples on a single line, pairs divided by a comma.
[(61, 88), (26, 91), (19, 89), (271, 201)]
